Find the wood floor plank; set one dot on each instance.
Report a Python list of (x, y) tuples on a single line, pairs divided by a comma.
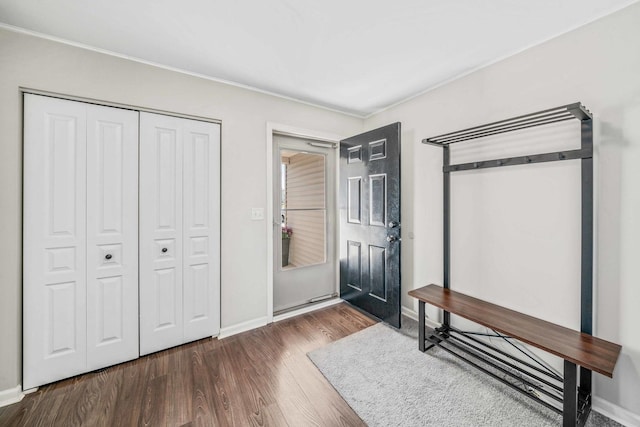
[(180, 387), (259, 378), (128, 410), (221, 380), (152, 413), (333, 410), (296, 407), (251, 385), (203, 388)]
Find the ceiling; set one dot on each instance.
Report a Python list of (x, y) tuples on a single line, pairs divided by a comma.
[(355, 56)]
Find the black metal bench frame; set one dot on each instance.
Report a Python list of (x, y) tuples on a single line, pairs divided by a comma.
[(585, 154)]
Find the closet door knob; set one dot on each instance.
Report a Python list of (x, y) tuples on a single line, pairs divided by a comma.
[(164, 250), (108, 256)]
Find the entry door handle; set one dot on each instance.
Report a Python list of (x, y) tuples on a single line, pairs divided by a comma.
[(394, 224), (393, 239)]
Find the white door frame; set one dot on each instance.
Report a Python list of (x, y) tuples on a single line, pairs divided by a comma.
[(300, 133)]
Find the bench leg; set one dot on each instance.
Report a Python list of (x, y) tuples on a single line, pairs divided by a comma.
[(570, 397), (421, 326), (584, 396)]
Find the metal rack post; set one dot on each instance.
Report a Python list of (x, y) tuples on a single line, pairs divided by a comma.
[(586, 288), (446, 218)]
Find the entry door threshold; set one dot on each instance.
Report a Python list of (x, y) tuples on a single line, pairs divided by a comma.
[(305, 308)]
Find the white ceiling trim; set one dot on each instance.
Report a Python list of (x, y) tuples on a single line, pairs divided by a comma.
[(21, 30)]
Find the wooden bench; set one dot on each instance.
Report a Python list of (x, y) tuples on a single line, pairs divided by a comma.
[(530, 377)]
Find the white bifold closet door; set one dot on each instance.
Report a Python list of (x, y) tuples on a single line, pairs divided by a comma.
[(80, 238), (179, 231)]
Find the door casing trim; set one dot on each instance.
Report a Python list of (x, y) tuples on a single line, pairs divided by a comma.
[(283, 129)]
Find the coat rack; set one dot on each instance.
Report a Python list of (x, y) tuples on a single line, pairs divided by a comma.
[(574, 111)]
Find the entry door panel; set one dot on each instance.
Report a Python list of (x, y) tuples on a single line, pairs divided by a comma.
[(54, 245), (112, 236), (201, 230), (370, 222), (161, 318)]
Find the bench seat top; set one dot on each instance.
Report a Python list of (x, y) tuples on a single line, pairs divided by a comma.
[(577, 347)]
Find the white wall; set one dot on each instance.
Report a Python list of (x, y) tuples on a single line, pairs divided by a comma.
[(516, 230), (31, 62)]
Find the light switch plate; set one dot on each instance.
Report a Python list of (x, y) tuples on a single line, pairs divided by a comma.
[(257, 214)]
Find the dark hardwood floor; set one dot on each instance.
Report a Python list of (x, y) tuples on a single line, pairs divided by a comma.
[(259, 378)]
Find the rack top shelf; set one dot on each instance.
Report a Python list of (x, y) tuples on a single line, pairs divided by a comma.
[(539, 118)]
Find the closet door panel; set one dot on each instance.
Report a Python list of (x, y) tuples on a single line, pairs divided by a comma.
[(112, 236), (161, 293), (54, 245), (201, 229)]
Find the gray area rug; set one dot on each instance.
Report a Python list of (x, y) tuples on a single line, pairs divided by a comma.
[(388, 382)]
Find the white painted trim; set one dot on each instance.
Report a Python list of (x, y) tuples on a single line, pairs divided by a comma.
[(11, 395), (615, 412), (316, 135), (242, 327), (269, 220), (21, 30), (30, 390), (405, 311), (307, 309), (263, 321), (283, 129), (116, 104), (411, 314)]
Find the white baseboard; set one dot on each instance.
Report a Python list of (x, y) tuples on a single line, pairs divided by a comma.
[(307, 309), (30, 390), (615, 412), (413, 315), (263, 321), (242, 327), (10, 396), (409, 313)]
